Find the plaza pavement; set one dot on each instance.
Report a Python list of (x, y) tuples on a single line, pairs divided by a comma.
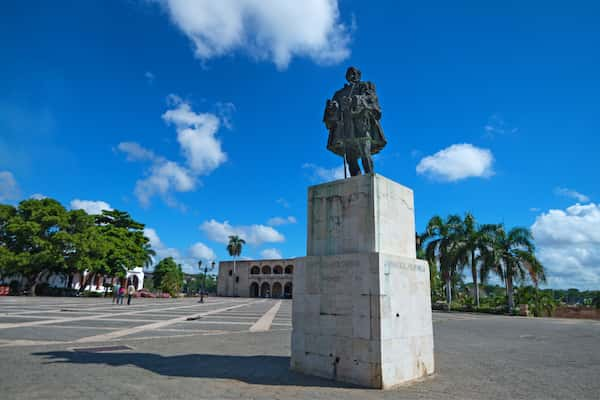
[(235, 348)]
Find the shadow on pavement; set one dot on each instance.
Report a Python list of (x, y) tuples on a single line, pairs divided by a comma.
[(260, 370)]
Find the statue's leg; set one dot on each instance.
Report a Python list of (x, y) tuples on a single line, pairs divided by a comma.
[(353, 165), (352, 155), (367, 160)]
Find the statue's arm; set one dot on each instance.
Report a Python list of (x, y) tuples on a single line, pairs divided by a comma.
[(331, 115), (367, 101)]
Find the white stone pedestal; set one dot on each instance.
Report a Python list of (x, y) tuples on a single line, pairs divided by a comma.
[(361, 300)]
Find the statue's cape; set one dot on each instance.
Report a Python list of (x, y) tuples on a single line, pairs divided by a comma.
[(338, 141)]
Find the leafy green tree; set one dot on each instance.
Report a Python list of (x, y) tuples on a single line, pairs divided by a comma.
[(33, 234), (168, 276), (234, 248), (540, 302), (119, 245), (40, 237)]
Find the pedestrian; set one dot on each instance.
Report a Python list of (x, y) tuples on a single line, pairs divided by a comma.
[(130, 292), (121, 294), (115, 292)]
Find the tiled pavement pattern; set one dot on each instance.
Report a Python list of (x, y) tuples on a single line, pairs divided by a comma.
[(235, 348), (45, 320)]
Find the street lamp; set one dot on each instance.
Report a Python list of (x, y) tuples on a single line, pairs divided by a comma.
[(212, 266), (202, 288)]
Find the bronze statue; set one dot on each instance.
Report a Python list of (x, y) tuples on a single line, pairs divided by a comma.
[(352, 118)]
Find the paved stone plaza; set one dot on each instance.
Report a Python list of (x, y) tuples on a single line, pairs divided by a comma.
[(239, 349)]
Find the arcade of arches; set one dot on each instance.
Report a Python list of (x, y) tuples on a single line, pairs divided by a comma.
[(276, 290), (257, 278)]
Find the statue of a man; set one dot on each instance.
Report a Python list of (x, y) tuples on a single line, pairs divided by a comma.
[(352, 118)]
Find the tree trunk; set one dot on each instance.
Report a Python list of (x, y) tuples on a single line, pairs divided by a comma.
[(234, 278), (36, 281), (448, 292), (89, 279), (475, 282), (509, 293)]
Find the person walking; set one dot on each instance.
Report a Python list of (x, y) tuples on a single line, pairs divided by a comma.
[(130, 292), (115, 292), (121, 294)]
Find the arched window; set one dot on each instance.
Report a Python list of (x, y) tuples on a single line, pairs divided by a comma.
[(266, 270), (277, 270), (289, 269), (277, 290), (255, 270), (265, 290), (287, 290), (254, 289)]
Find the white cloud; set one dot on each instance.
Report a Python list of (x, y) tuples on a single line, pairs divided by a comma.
[(9, 189), (38, 196), (496, 125), (162, 251), (276, 221), (271, 254), (188, 259), (321, 174), (266, 29), (149, 77), (568, 244), (534, 209), (252, 234), (196, 134), (201, 251), (135, 152), (164, 177), (151, 234), (225, 111), (459, 161), (283, 202), (90, 206), (560, 191), (414, 153)]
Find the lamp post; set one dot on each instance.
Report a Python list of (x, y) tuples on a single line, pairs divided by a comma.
[(202, 288), (212, 266)]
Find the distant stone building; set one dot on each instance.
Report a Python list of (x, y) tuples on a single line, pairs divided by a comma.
[(256, 278)]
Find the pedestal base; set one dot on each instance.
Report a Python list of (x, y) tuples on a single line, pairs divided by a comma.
[(363, 319)]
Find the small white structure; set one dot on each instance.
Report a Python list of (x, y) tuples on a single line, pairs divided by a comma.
[(102, 283), (361, 299)]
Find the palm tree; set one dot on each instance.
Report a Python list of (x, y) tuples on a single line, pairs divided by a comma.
[(512, 256), (472, 240), (440, 239), (235, 250)]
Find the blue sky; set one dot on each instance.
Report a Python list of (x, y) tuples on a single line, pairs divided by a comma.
[(202, 120)]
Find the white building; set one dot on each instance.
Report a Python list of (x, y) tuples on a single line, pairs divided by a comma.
[(100, 283)]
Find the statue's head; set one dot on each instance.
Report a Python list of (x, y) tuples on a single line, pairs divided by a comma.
[(353, 75)]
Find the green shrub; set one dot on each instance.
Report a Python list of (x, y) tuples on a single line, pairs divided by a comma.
[(93, 294)]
